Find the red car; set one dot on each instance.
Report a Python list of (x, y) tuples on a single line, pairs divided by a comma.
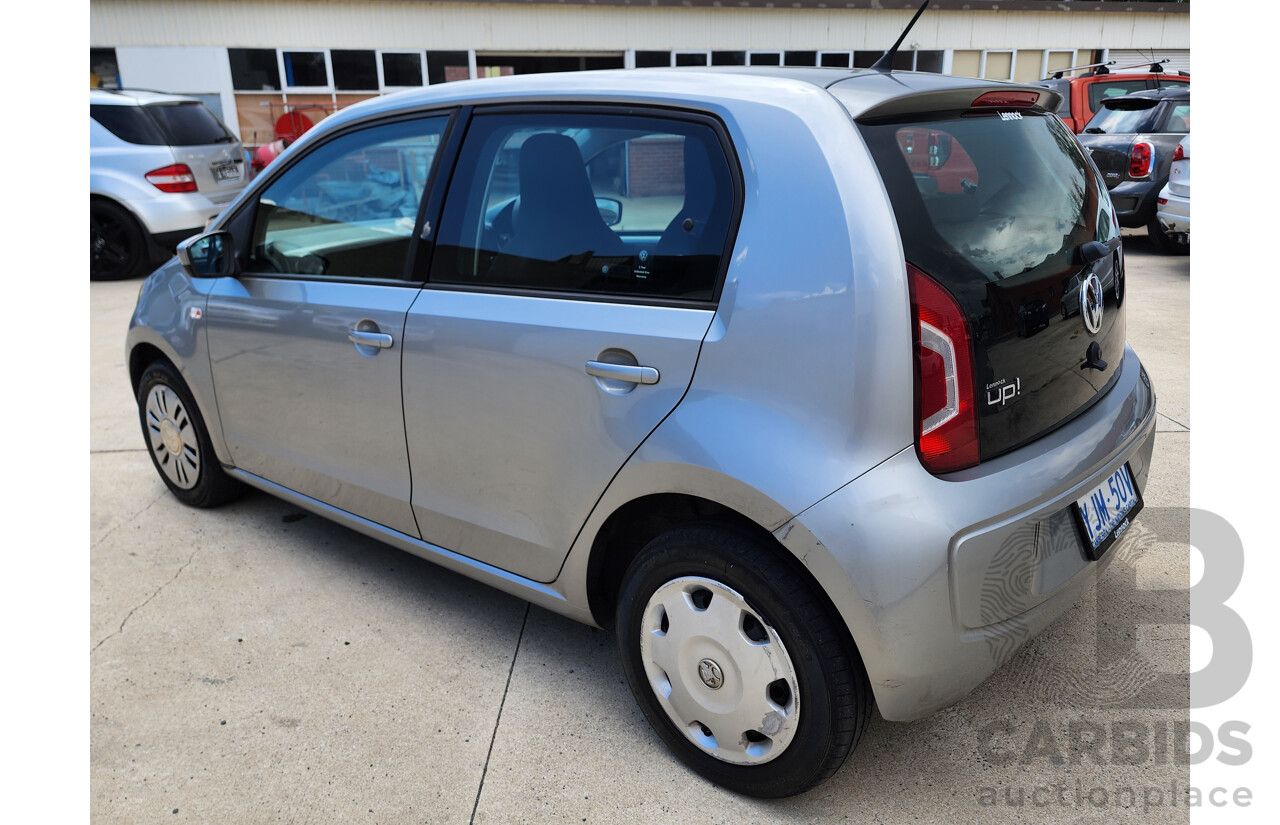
[(1083, 96)]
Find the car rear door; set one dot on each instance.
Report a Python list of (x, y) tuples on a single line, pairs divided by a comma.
[(306, 344), (547, 344)]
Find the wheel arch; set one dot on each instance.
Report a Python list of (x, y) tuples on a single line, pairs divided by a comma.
[(630, 526)]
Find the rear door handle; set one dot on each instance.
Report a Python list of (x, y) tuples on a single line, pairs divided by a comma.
[(381, 340), (623, 372)]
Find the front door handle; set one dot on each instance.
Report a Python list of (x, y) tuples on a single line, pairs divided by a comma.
[(623, 372), (381, 340)]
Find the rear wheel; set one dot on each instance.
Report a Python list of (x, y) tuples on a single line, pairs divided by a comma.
[(117, 247), (178, 440), (1170, 243), (738, 664)]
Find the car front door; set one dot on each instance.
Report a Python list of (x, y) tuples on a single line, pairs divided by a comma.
[(555, 333), (306, 343)]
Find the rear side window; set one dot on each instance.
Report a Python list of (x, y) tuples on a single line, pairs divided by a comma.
[(169, 124), (589, 203), (1179, 118), (129, 123), (347, 209), (980, 198), (189, 124)]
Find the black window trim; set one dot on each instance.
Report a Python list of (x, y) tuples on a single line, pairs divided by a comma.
[(699, 116), (450, 141)]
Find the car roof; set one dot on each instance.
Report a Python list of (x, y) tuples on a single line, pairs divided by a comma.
[(862, 91), (134, 97)]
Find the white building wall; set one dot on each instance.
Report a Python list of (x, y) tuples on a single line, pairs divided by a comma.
[(195, 70), (571, 27)]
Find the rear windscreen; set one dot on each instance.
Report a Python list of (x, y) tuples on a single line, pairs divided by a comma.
[(984, 197), (169, 124), (1127, 118)]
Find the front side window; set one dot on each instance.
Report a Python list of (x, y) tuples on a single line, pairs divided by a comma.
[(348, 209), (600, 204)]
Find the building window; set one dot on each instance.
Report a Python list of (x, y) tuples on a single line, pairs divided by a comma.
[(254, 70), (103, 70), (305, 70), (650, 60), (691, 58), (402, 69), (443, 67), (354, 70), (728, 59), (802, 58), (835, 60), (764, 58), (997, 65)]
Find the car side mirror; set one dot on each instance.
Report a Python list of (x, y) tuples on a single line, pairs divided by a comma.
[(211, 255), (610, 211)]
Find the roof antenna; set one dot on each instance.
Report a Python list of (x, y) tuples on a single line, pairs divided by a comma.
[(885, 63)]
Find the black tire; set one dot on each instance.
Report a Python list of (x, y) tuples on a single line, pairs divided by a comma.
[(117, 247), (832, 695), (1165, 242), (180, 450)]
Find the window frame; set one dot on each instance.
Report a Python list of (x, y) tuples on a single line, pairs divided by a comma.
[(700, 117), (422, 67), (299, 90), (242, 221), (1013, 64)]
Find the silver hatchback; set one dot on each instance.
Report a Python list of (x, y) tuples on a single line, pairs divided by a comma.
[(770, 371)]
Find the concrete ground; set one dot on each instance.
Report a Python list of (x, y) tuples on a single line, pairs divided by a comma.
[(255, 664)]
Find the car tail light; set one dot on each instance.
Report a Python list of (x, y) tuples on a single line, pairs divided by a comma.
[(1179, 154), (1140, 160), (946, 420), (175, 178), (1005, 100)]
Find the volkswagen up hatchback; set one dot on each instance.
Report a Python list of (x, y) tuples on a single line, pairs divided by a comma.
[(735, 363)]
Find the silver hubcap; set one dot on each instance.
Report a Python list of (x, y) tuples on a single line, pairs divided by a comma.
[(721, 674), (173, 437)]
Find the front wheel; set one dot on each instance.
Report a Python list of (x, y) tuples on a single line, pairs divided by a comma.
[(178, 440), (738, 663)]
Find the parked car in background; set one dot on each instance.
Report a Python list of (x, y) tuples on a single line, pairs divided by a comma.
[(1132, 140), (1173, 206), (1082, 96), (542, 330), (160, 168)]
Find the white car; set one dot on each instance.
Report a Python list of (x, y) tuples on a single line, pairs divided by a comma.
[(1173, 207), (161, 167)]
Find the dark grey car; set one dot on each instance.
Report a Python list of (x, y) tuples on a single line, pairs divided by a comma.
[(1132, 139), (726, 361)]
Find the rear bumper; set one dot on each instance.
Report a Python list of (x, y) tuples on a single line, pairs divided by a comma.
[(912, 560), (1175, 215), (173, 213), (1134, 201)]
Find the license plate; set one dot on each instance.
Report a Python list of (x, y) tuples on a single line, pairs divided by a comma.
[(226, 171), (1104, 513)]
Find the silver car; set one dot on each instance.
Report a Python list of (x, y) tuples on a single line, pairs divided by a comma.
[(726, 361), (161, 167)]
